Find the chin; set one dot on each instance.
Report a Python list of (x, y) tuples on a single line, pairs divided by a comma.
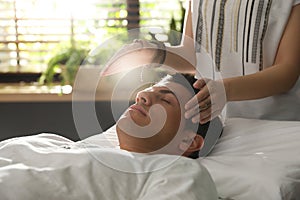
[(129, 125)]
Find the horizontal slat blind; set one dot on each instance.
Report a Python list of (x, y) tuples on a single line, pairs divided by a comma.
[(160, 12), (31, 30)]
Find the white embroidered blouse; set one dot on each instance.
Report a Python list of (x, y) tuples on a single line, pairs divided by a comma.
[(240, 37)]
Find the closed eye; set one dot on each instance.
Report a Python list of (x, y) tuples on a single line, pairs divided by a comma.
[(167, 93), (165, 100)]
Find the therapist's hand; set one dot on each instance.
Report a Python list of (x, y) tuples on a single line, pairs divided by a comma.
[(210, 101), (136, 54)]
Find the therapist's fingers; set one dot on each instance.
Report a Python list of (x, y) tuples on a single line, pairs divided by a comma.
[(204, 119), (210, 99), (192, 112), (201, 95), (136, 54), (203, 105), (126, 49), (125, 62), (200, 83), (203, 115), (206, 103)]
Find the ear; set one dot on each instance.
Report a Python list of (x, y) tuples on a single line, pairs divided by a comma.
[(191, 142)]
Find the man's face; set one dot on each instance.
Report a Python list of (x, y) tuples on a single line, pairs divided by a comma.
[(160, 106)]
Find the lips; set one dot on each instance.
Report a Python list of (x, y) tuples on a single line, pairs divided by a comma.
[(139, 109)]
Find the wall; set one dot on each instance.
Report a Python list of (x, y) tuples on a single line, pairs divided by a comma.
[(28, 118)]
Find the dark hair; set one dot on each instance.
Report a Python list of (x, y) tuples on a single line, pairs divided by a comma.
[(187, 80)]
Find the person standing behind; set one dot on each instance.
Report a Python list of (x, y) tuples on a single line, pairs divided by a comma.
[(244, 53), (254, 46)]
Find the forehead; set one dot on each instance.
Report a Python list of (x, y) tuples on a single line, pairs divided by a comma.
[(180, 92)]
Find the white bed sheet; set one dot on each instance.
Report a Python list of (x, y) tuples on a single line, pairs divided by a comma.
[(254, 159), (257, 159), (51, 167)]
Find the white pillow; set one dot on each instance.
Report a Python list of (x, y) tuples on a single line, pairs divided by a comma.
[(254, 159), (257, 159)]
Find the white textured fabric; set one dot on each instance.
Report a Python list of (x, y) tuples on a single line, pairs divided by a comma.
[(48, 166), (296, 2), (254, 159), (257, 159), (240, 37)]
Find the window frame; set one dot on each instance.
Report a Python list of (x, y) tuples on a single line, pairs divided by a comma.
[(133, 17)]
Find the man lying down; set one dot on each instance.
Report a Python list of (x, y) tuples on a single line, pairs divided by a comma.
[(150, 163)]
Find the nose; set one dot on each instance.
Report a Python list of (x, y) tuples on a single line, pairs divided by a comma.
[(144, 98)]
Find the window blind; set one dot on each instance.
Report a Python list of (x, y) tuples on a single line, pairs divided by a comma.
[(31, 30)]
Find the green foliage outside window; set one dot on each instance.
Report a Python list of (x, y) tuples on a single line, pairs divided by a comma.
[(65, 57)]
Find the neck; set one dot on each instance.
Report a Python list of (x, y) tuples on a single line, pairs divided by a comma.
[(133, 146)]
